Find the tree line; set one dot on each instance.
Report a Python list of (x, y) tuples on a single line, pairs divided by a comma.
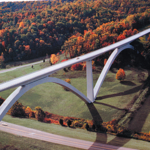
[(36, 28)]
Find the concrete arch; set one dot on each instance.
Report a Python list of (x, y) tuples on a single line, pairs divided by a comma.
[(107, 67), (13, 97)]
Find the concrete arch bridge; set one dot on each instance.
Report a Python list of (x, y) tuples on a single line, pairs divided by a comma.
[(25, 83)]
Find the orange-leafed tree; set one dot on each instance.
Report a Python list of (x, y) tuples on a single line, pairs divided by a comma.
[(68, 81), (77, 66), (21, 25), (2, 64), (39, 113), (54, 59), (105, 61), (27, 49), (29, 112), (120, 75), (3, 44), (121, 37)]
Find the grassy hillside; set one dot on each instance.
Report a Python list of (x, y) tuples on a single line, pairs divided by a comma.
[(111, 101), (69, 132)]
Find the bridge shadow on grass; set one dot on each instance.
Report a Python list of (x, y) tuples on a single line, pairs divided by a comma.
[(130, 83), (97, 120), (102, 137), (142, 114), (110, 106), (140, 117), (131, 91), (95, 114)]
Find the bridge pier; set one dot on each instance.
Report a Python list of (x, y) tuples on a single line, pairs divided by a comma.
[(107, 66), (89, 78)]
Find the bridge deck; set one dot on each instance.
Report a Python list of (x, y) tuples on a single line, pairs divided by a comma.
[(24, 80)]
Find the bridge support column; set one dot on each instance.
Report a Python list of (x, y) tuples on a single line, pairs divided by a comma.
[(89, 78), (107, 66)]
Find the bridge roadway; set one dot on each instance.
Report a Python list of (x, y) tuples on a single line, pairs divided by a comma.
[(26, 82)]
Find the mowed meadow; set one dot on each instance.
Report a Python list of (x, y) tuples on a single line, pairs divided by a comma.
[(111, 102), (34, 29)]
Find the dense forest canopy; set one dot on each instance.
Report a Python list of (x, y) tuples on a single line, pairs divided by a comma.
[(35, 28)]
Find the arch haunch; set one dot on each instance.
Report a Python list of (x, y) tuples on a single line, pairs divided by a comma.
[(107, 67), (13, 97)]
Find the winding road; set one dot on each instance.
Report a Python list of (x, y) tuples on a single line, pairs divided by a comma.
[(57, 139)]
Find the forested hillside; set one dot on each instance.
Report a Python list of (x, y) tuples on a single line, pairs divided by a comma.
[(36, 28)]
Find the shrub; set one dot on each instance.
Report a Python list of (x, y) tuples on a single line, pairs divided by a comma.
[(122, 131), (47, 120), (84, 126), (87, 126), (68, 81), (69, 123), (77, 123), (77, 66), (105, 61), (54, 121), (61, 122), (47, 114), (1, 100), (39, 113), (17, 110), (90, 123), (29, 113), (120, 75), (64, 60), (54, 59)]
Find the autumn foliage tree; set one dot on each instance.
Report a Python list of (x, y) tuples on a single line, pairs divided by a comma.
[(17, 110), (29, 112), (105, 61), (78, 26), (120, 75), (39, 113), (68, 81), (2, 64), (54, 59)]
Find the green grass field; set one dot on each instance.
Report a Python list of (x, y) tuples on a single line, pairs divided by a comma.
[(13, 142), (111, 101), (113, 96), (8, 139)]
